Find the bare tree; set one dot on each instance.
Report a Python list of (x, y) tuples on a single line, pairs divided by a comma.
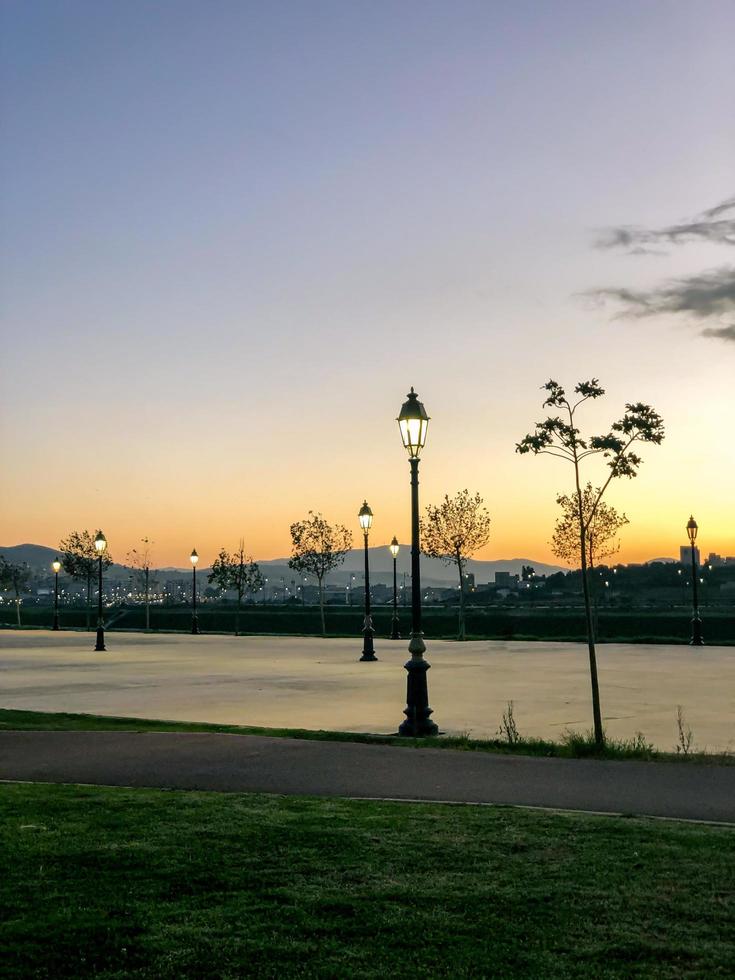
[(139, 559), (80, 560), (453, 532), (15, 576), (317, 549), (560, 437), (236, 571)]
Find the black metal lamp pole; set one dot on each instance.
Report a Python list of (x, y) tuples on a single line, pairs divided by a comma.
[(413, 423), (395, 625), (56, 565), (100, 543), (368, 653), (194, 558), (696, 640)]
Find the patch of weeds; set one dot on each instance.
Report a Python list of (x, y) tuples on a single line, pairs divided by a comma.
[(508, 729), (686, 735)]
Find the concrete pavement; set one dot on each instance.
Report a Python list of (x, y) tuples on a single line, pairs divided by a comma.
[(307, 682), (244, 763)]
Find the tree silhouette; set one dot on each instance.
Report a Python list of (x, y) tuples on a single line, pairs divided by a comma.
[(317, 549), (603, 524), (139, 560), (453, 532), (236, 571), (80, 560), (15, 576), (559, 437)]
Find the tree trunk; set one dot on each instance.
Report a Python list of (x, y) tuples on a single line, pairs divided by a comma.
[(237, 614), (147, 603), (321, 607), (593, 597), (461, 632), (596, 712), (17, 606)]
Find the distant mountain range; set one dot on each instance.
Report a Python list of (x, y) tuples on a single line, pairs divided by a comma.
[(433, 571)]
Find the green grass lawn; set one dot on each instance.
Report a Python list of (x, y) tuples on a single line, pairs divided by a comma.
[(573, 746), (150, 883)]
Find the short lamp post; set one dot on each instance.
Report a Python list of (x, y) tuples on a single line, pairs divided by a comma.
[(56, 565), (696, 640), (100, 545), (365, 517), (394, 548), (413, 423), (194, 558)]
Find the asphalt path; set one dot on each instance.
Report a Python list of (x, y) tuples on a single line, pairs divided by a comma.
[(246, 763)]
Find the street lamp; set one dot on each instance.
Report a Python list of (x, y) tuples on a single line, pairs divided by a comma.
[(394, 547), (696, 640), (194, 558), (413, 423), (56, 565), (100, 544), (365, 517)]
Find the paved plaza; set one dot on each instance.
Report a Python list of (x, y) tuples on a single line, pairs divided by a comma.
[(299, 682)]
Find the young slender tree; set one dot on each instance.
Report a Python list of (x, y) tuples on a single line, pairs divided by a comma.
[(15, 576), (236, 571), (81, 560), (453, 532), (317, 549), (559, 436), (603, 522), (139, 559)]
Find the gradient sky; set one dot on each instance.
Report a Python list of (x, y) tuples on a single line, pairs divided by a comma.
[(234, 234)]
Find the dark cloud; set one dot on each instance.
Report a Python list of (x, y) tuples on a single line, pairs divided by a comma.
[(637, 240), (722, 333), (715, 212), (707, 296)]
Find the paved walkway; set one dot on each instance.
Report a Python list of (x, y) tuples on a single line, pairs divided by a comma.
[(306, 682), (245, 763)]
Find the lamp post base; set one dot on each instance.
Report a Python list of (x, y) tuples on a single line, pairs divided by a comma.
[(418, 721), (395, 632), (100, 644), (696, 640), (195, 625), (56, 622), (368, 653)]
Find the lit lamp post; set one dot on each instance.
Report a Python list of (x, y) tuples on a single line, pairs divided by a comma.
[(696, 640), (394, 548), (194, 558), (56, 565), (413, 423), (100, 544), (365, 517)]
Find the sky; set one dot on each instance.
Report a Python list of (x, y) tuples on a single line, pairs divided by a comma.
[(233, 235)]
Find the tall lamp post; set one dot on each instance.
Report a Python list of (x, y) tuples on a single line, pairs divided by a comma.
[(365, 517), (194, 558), (394, 548), (696, 640), (100, 544), (56, 565), (413, 423)]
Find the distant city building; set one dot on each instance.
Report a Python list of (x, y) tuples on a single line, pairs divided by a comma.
[(685, 554), (718, 560), (504, 580)]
